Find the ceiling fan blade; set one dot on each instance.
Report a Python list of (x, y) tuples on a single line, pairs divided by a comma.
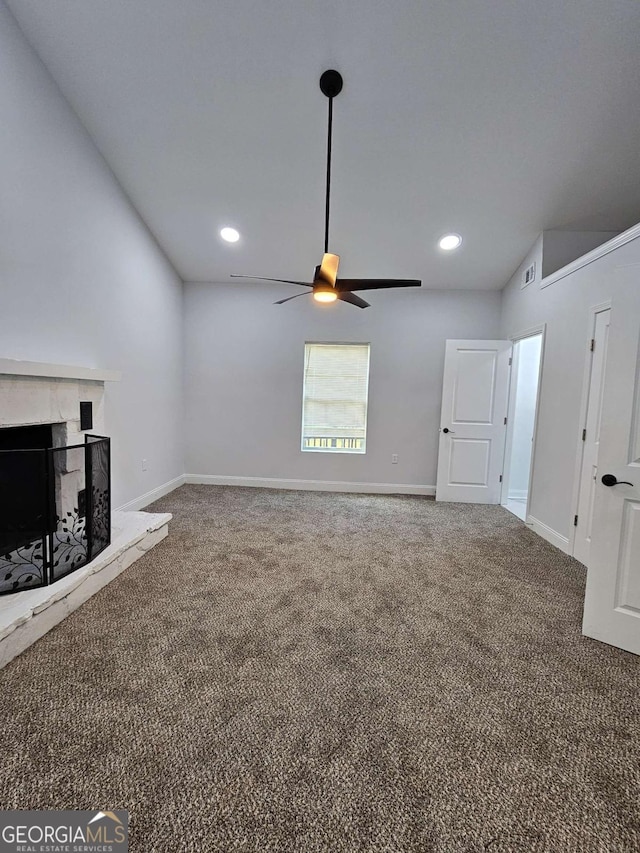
[(328, 270), (281, 280), (348, 284), (352, 299), (289, 298)]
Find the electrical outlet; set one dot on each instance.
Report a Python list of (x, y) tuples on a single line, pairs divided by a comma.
[(394, 458), (144, 464)]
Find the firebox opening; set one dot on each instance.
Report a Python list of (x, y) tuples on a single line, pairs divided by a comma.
[(24, 507)]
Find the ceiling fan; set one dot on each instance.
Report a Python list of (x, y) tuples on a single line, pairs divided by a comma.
[(326, 286)]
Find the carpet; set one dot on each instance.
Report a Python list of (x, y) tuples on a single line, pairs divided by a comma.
[(332, 673)]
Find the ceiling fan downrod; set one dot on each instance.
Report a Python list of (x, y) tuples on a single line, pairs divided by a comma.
[(330, 85)]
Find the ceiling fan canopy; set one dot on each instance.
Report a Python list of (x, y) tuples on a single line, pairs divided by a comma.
[(326, 286)]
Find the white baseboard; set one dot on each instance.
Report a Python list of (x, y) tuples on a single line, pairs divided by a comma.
[(517, 494), (154, 495), (311, 485), (549, 534)]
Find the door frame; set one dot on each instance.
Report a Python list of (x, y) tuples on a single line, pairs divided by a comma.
[(594, 310), (531, 332)]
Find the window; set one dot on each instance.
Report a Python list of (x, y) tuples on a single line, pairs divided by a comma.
[(334, 398)]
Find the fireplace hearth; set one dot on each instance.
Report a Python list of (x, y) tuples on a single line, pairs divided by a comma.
[(55, 505)]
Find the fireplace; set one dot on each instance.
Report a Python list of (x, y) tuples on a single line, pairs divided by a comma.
[(55, 504), (55, 481)]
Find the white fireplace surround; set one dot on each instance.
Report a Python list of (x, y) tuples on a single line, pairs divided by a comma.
[(38, 393)]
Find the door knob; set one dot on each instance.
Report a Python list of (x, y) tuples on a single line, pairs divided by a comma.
[(612, 480), (446, 429)]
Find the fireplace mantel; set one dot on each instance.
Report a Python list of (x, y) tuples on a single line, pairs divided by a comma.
[(15, 367)]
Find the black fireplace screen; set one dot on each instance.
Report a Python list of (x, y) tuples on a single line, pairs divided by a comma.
[(55, 511)]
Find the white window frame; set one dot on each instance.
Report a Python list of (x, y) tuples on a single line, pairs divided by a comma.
[(338, 450)]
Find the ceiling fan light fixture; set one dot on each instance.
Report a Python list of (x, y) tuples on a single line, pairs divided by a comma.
[(230, 235), (450, 241), (324, 293), (326, 287)]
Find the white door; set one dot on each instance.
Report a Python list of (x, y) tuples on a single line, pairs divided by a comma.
[(472, 421), (591, 439), (612, 601)]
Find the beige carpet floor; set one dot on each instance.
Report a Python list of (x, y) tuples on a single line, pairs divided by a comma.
[(322, 673)]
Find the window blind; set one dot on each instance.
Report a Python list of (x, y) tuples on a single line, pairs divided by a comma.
[(334, 408)]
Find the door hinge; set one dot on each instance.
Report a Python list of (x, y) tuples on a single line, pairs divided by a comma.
[(584, 435), (510, 362), (593, 344), (505, 421), (575, 520), (500, 477)]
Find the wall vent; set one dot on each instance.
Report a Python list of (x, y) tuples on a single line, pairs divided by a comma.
[(529, 274)]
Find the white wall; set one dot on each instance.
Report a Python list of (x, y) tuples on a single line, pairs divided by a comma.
[(244, 370), (81, 279), (564, 307)]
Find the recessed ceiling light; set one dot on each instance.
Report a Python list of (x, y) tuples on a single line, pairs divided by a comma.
[(450, 241), (230, 235)]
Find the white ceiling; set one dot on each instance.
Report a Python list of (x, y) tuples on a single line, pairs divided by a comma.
[(494, 118)]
